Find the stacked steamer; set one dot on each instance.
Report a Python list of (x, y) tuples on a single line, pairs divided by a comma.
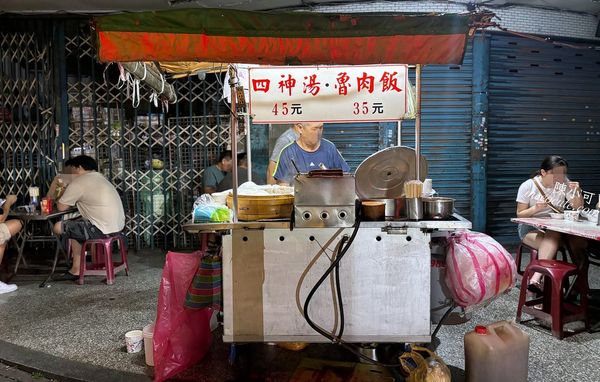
[(266, 202)]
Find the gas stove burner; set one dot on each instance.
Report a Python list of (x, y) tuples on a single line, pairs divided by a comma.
[(382, 175)]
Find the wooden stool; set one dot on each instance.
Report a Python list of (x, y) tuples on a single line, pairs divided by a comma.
[(555, 309)]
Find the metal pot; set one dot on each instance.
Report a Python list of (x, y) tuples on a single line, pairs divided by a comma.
[(437, 208), (394, 208)]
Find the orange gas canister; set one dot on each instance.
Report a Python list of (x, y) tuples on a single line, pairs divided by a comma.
[(496, 353)]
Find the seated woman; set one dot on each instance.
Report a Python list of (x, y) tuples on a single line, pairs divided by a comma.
[(548, 191), (7, 230)]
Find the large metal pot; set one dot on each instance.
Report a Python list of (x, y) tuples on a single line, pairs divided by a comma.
[(437, 208), (395, 208)]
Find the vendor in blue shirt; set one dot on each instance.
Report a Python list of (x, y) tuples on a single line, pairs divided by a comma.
[(309, 152)]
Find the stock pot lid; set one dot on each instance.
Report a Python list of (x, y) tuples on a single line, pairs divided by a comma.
[(382, 175)]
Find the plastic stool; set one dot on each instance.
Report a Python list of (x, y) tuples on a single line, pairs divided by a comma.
[(102, 263), (532, 255), (555, 309)]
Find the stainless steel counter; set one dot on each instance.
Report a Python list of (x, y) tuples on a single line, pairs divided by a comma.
[(457, 222)]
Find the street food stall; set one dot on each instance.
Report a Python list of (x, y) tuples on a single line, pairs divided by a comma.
[(320, 273)]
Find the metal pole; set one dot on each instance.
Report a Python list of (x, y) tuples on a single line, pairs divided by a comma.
[(233, 136), (248, 146), (418, 123)]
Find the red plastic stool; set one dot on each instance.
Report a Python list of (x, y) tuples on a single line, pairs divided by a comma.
[(102, 263), (555, 309), (532, 255)]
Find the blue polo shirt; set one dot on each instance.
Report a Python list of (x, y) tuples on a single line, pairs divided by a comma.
[(326, 155)]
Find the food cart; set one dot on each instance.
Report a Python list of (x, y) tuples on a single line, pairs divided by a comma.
[(285, 280)]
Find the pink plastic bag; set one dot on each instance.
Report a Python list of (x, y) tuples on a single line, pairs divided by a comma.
[(478, 268), (181, 336)]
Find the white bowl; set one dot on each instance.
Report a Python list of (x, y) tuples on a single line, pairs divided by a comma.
[(572, 216), (556, 216)]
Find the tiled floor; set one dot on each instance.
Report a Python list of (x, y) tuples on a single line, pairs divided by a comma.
[(76, 332)]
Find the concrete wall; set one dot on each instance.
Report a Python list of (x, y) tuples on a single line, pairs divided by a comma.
[(516, 18)]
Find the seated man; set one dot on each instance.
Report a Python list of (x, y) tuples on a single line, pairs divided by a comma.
[(214, 174), (97, 201), (242, 173), (7, 230), (309, 152)]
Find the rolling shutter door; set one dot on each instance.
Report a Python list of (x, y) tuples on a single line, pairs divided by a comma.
[(544, 99), (446, 128)]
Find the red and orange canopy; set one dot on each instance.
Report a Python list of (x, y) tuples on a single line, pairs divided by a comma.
[(292, 38)]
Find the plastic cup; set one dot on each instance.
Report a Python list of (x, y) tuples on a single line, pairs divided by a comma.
[(133, 341), (427, 187), (148, 344)]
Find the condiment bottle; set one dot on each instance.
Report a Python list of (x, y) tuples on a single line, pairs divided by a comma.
[(60, 188)]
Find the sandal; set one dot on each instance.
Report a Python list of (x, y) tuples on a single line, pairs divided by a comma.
[(536, 287)]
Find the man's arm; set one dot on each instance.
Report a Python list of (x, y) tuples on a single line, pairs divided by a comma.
[(209, 181), (270, 171), (62, 207)]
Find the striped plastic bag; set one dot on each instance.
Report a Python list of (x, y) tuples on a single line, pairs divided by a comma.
[(478, 268)]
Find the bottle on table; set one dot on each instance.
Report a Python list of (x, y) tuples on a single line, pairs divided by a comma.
[(60, 188)]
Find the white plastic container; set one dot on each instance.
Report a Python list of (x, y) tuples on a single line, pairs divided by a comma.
[(148, 344), (497, 353)]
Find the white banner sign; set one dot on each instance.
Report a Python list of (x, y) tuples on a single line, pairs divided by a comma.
[(283, 94)]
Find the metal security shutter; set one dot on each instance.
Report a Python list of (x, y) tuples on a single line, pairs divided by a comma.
[(544, 99), (446, 128), (356, 141)]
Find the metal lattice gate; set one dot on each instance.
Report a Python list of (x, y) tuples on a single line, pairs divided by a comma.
[(26, 112), (154, 157)]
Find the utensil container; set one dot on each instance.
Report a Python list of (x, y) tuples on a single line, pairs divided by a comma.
[(373, 210), (496, 353), (414, 208)]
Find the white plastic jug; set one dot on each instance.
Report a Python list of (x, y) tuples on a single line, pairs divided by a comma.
[(497, 353), (148, 344)]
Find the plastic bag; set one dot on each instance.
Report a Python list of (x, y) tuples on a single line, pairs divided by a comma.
[(207, 210), (421, 369), (181, 336), (478, 268)]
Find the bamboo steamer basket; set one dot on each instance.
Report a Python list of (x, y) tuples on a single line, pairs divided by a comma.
[(263, 207)]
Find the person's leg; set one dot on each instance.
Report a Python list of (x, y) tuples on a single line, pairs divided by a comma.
[(578, 249), (14, 226), (75, 230), (534, 239), (76, 251), (547, 251)]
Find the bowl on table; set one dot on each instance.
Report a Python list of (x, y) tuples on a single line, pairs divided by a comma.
[(554, 215), (571, 216)]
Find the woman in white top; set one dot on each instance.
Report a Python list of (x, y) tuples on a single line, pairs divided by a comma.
[(550, 190)]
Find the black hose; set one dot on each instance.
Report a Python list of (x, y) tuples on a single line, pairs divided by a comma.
[(439, 325), (314, 289), (339, 294), (335, 265)]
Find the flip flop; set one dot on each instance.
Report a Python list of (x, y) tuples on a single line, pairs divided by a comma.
[(67, 276), (535, 288)]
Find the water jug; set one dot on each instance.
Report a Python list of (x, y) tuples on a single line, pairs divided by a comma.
[(496, 353)]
